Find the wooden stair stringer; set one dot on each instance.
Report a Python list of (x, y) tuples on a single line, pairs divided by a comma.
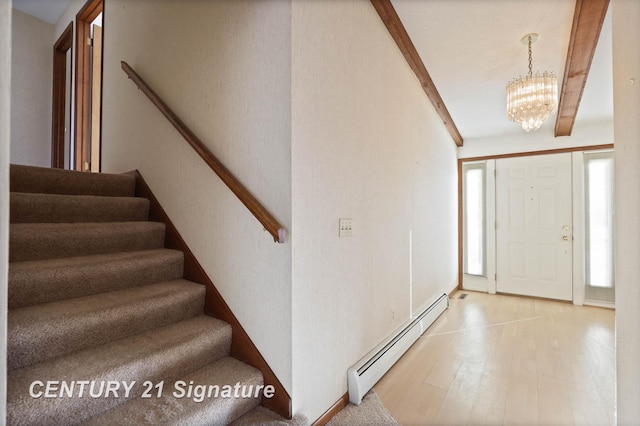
[(242, 347)]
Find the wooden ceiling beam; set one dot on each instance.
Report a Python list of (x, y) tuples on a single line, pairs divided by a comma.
[(585, 32), (391, 20)]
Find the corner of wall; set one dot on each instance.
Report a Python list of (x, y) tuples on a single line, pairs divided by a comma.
[(626, 68), (5, 137), (367, 145)]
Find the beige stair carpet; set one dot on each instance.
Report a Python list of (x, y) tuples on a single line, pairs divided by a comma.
[(96, 301)]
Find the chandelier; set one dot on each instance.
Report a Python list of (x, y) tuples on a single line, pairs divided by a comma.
[(531, 99)]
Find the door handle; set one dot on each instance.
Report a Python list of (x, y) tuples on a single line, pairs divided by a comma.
[(566, 238)]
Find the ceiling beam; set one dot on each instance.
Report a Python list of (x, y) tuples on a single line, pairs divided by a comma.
[(585, 32), (391, 20)]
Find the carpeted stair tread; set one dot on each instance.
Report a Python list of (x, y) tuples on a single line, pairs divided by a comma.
[(44, 331), (95, 297), (56, 208), (58, 181), (48, 280), (179, 409), (34, 241), (166, 353)]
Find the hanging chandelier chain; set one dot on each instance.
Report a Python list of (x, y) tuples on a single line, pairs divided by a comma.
[(530, 61), (532, 99)]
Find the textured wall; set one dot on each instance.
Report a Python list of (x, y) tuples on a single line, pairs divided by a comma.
[(224, 67), (5, 136), (367, 145), (626, 67), (31, 87)]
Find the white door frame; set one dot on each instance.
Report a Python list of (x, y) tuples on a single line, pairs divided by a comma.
[(488, 283), (577, 160)]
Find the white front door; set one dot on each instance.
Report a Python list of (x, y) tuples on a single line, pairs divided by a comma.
[(534, 226)]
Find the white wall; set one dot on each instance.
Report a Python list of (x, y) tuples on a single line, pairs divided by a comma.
[(586, 133), (69, 15), (224, 67), (31, 90), (367, 145), (294, 99), (626, 67), (5, 137)]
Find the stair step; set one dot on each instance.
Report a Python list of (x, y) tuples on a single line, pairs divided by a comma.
[(34, 241), (41, 332), (180, 409), (55, 208), (59, 181), (166, 353), (94, 298), (49, 280)]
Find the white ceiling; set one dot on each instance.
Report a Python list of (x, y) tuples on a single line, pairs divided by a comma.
[(472, 48), (46, 10)]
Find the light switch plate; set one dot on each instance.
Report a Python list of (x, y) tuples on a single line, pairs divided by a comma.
[(346, 228)]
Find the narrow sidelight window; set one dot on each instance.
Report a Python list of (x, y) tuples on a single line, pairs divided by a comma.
[(599, 199), (474, 217)]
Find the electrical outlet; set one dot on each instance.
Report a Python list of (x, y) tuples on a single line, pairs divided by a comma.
[(346, 228)]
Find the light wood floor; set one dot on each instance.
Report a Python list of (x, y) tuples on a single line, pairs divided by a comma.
[(505, 360)]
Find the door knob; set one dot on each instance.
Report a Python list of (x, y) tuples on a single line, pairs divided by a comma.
[(566, 238)]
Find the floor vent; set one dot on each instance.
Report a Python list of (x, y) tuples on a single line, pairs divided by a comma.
[(366, 373), (462, 296)]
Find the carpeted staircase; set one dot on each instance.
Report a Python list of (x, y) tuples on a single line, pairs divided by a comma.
[(94, 296)]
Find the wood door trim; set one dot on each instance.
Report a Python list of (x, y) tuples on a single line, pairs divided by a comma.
[(542, 152), (89, 12), (59, 96)]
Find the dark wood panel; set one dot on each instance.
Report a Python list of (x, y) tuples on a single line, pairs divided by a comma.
[(242, 347), (585, 32), (542, 152), (397, 30)]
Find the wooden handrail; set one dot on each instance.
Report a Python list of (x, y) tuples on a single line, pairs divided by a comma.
[(266, 219)]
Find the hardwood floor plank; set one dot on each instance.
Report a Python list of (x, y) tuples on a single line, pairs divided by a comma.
[(505, 360)]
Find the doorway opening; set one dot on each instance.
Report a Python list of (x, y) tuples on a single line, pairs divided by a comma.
[(61, 108), (539, 224), (88, 129)]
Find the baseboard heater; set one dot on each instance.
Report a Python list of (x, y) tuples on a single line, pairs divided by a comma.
[(366, 373)]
